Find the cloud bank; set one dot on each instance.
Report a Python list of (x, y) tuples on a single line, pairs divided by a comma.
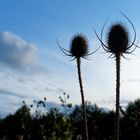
[(15, 52)]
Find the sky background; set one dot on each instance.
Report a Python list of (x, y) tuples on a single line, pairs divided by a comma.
[(33, 67)]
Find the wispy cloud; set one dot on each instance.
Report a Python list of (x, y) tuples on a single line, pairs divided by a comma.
[(109, 102), (133, 80), (10, 93), (10, 101)]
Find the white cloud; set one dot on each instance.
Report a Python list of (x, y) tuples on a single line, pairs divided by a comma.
[(15, 52)]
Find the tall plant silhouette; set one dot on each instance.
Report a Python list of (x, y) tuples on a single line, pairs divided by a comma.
[(78, 50), (118, 44)]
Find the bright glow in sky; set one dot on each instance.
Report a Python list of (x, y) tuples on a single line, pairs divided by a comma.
[(32, 66)]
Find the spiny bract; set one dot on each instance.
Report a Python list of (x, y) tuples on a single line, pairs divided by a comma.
[(118, 39)]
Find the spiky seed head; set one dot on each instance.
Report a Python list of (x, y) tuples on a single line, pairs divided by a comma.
[(79, 46), (118, 39)]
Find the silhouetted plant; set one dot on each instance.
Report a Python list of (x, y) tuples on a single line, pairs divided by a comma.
[(131, 121), (78, 50), (65, 104), (39, 108), (15, 126), (118, 44)]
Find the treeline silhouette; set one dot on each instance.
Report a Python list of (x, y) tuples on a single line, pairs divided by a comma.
[(37, 122)]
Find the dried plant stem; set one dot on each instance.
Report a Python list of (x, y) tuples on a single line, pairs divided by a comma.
[(118, 57), (82, 96)]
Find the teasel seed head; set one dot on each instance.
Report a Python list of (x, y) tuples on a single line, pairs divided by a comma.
[(118, 39), (79, 46)]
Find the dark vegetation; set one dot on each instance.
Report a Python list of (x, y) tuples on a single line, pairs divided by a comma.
[(67, 124)]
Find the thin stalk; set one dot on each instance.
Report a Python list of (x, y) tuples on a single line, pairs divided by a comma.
[(117, 125), (82, 97)]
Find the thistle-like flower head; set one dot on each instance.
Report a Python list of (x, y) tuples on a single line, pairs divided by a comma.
[(118, 42), (78, 47), (118, 39)]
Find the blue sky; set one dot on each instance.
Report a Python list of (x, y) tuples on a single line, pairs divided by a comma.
[(32, 66)]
